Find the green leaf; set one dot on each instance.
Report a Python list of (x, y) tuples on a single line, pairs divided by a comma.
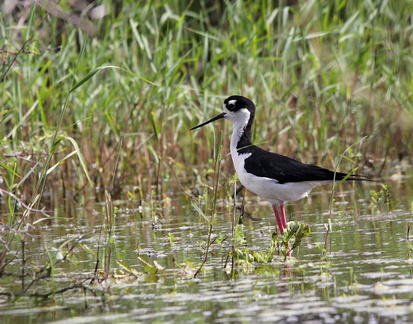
[(9, 170), (81, 158), (196, 207), (296, 231), (98, 69)]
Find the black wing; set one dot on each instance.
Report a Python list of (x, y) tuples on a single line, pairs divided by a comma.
[(285, 169)]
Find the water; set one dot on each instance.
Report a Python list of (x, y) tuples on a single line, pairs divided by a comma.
[(365, 277)]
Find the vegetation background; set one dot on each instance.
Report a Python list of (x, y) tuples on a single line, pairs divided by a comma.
[(100, 95), (323, 75)]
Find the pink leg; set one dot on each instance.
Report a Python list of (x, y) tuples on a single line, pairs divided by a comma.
[(283, 218), (280, 217)]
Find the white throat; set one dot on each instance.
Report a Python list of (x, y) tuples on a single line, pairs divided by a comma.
[(240, 121)]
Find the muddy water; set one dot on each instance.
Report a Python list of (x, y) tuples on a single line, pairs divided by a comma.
[(365, 276)]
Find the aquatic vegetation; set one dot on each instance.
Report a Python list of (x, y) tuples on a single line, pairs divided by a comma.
[(380, 199)]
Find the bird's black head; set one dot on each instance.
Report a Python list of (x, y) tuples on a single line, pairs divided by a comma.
[(238, 109), (235, 103)]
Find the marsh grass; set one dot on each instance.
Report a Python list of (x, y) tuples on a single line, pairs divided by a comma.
[(108, 103), (215, 196)]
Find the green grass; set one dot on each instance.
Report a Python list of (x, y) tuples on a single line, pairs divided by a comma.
[(113, 99), (322, 76)]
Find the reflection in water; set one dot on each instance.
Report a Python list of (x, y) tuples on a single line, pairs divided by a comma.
[(365, 274)]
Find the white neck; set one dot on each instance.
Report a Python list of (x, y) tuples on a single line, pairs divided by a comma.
[(240, 120)]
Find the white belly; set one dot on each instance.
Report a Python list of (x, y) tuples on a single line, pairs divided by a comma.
[(270, 189)]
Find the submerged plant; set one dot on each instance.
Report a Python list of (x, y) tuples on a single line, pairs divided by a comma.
[(295, 232), (284, 245), (379, 199)]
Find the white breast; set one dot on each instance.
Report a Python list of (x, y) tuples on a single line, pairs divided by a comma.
[(270, 189)]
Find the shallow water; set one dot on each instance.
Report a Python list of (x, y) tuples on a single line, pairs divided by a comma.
[(365, 276)]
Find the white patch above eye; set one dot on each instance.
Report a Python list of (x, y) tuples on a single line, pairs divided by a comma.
[(232, 102)]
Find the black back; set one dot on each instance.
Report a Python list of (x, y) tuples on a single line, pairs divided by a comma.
[(285, 169)]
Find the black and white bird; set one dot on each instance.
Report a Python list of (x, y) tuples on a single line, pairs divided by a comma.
[(274, 177)]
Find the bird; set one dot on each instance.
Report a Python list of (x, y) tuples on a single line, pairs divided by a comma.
[(276, 178)]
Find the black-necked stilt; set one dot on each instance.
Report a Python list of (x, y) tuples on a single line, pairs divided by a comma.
[(272, 176)]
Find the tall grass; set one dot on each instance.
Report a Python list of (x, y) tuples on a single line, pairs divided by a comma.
[(323, 75)]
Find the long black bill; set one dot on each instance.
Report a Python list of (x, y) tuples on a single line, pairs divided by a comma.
[(209, 121)]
